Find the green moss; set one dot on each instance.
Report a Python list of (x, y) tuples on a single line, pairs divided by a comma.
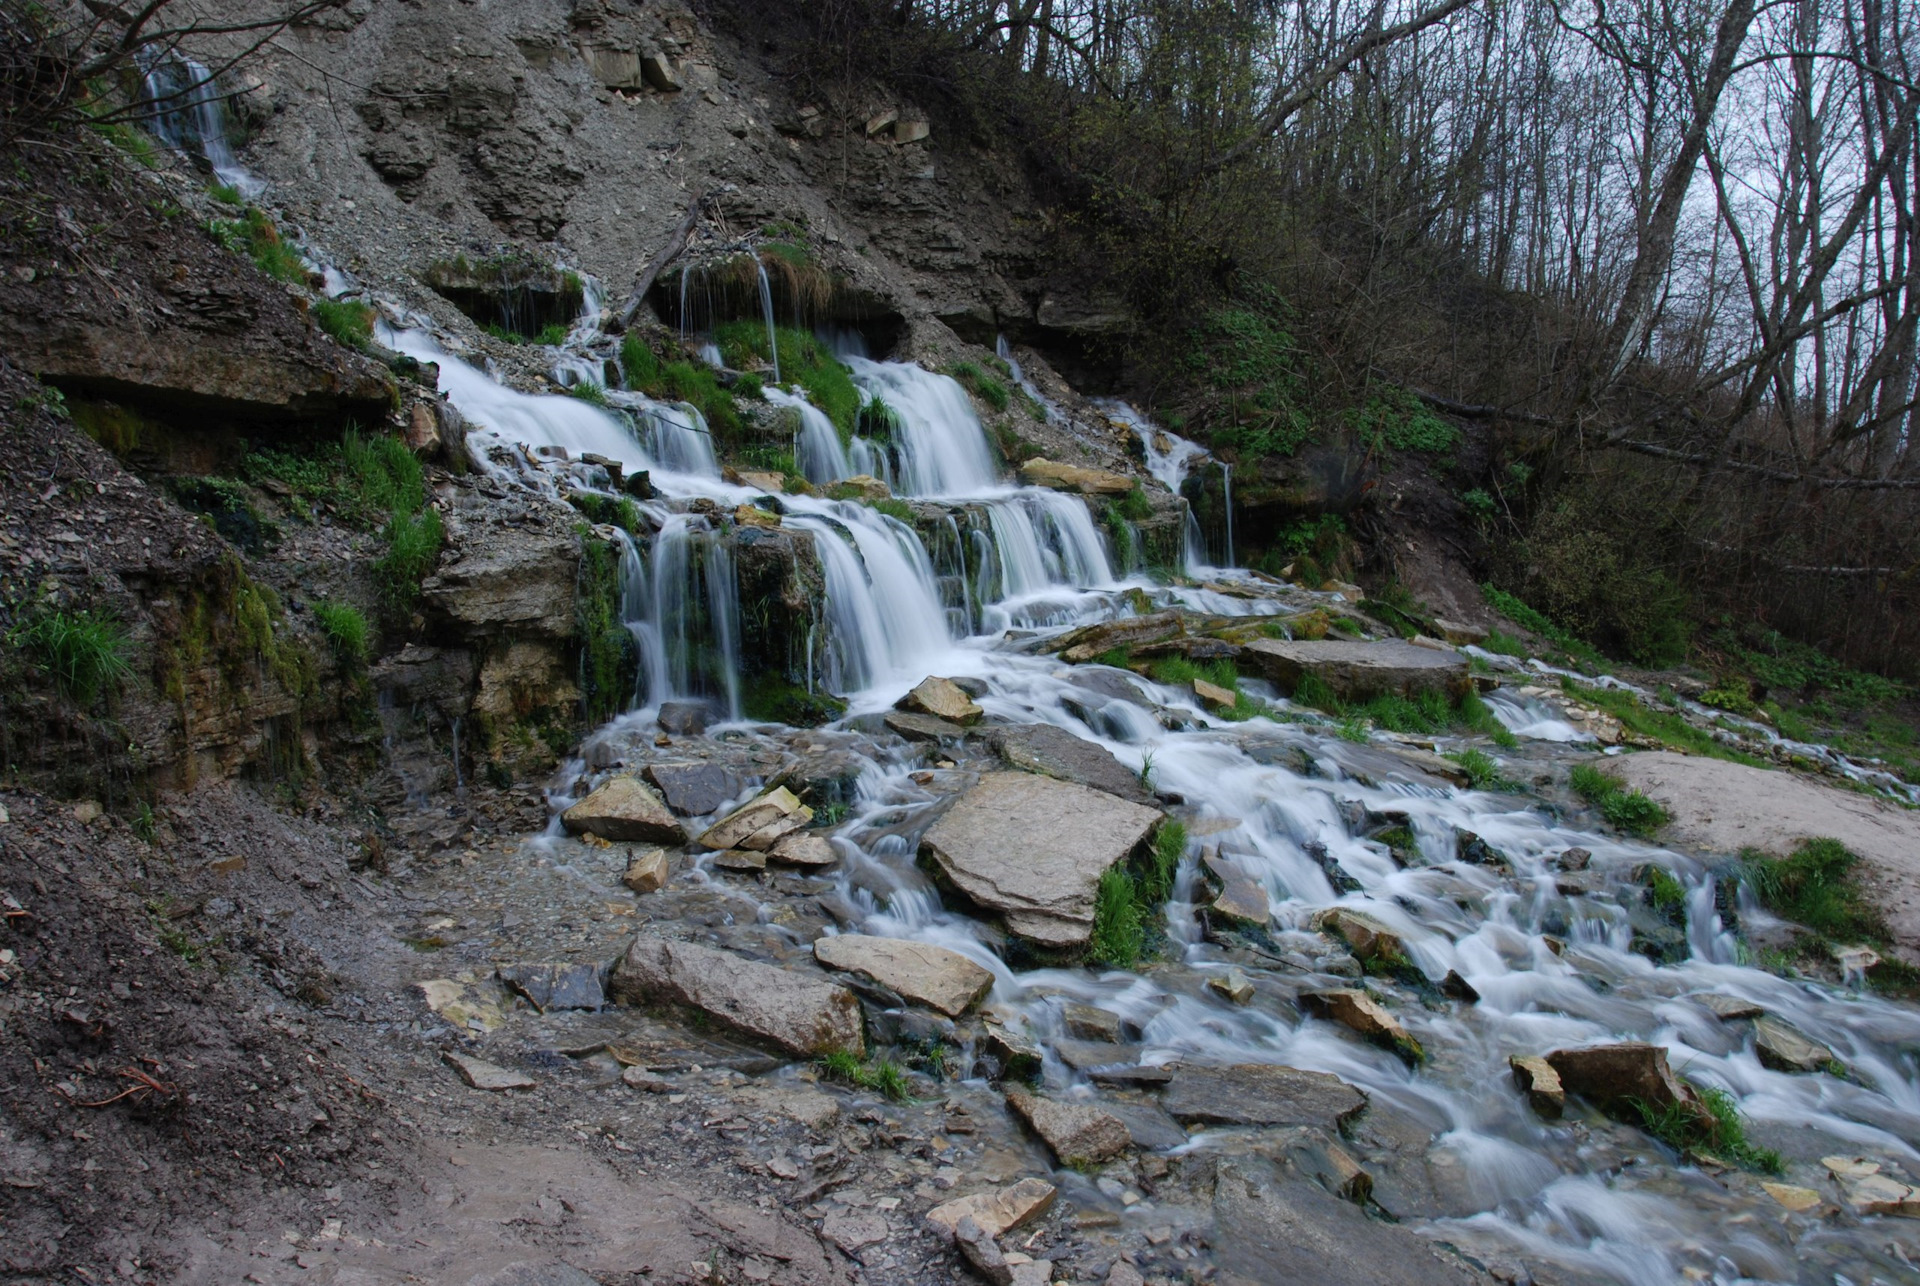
[(1628, 810), (639, 365), (1169, 846), (609, 655), (770, 698), (1482, 771), (1715, 1128), (883, 1076), (347, 321), (1395, 419), (1663, 726), (977, 382)]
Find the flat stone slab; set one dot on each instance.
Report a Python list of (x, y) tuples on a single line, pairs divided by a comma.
[(1033, 849), (941, 698), (1356, 671), (1621, 1075), (800, 849), (693, 790), (997, 1211), (556, 986), (1787, 1049), (1055, 752), (923, 727), (1260, 1094), (1727, 1008), (920, 972), (482, 1075), (624, 808), (1078, 1133), (1088, 642), (759, 823), (789, 1011)]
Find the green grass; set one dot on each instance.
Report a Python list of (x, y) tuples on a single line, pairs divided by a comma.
[(883, 1076), (982, 385), (346, 630), (1663, 726), (1504, 645), (254, 235), (1815, 886), (588, 392), (1666, 894), (1535, 622), (348, 321), (805, 363), (86, 652), (1624, 809), (413, 546), (1482, 770), (1118, 936), (1720, 1131), (638, 363), (1169, 846), (893, 507), (553, 334)]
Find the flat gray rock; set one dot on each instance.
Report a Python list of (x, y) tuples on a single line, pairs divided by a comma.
[(1033, 849), (556, 986), (799, 1014), (693, 790), (1148, 1126), (923, 727), (924, 974), (1260, 1094), (482, 1075), (624, 808), (1055, 752), (1356, 671)]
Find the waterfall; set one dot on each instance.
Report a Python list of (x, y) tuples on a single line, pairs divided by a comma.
[(1170, 458), (1226, 488), (1004, 352), (885, 620), (941, 445), (188, 115), (684, 612), (766, 309)]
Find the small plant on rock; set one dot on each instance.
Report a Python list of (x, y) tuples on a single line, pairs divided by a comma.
[(86, 652)]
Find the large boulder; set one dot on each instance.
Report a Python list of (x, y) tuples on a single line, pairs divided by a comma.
[(920, 972), (693, 789), (1033, 849), (943, 699), (1090, 641), (1043, 472), (623, 808), (796, 1013), (499, 577), (1054, 752), (1078, 1133), (1366, 937), (998, 1212), (1260, 1094), (1621, 1077), (1356, 671)]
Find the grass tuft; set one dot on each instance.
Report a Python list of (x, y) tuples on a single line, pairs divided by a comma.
[(1118, 937), (1624, 809), (346, 630), (86, 652), (1720, 1131), (883, 1076), (1815, 886)]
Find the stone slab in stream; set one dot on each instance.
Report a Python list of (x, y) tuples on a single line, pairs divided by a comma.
[(1033, 849), (1721, 807), (1054, 752), (799, 1014), (924, 974), (1078, 1133), (693, 789), (759, 823), (924, 727), (1356, 671), (1090, 641), (1620, 1076), (624, 808), (1786, 1049), (556, 986), (1260, 1094), (941, 698)]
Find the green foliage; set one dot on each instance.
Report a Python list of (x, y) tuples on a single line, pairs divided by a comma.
[(1482, 770), (1155, 885), (1816, 886), (346, 630), (1782, 665), (805, 363), (638, 363), (226, 194), (750, 387), (699, 387), (586, 391), (1636, 716), (1475, 715), (769, 698), (1181, 670), (1715, 1128), (413, 546), (769, 456), (553, 334), (1504, 644), (877, 422), (1479, 504), (1532, 621), (609, 656), (1248, 370), (348, 321), (1135, 506), (1118, 938), (386, 478), (1395, 419), (86, 652), (1627, 810), (254, 235), (980, 384), (883, 1076), (893, 507), (1596, 574), (1666, 894), (501, 333)]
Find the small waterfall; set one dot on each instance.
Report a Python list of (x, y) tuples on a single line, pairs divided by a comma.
[(1004, 352), (766, 310), (1226, 487), (1170, 458), (941, 446), (684, 612), (189, 115), (883, 606)]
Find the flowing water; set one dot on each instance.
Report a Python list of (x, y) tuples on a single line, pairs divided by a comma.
[(188, 114), (1553, 960)]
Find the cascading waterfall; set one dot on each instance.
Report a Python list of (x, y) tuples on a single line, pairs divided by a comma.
[(189, 115), (819, 454), (1170, 458), (941, 445), (766, 311), (883, 607), (1004, 352)]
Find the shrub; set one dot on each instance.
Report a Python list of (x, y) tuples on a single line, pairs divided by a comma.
[(1624, 809), (980, 384), (345, 628), (413, 546), (86, 652), (348, 321)]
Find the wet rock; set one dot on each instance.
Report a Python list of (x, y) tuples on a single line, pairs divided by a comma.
[(1014, 1055), (683, 718), (942, 699), (1357, 671), (996, 1212), (1260, 1094), (556, 986), (1878, 1194), (483, 1075), (1088, 1022), (1233, 985), (1110, 685), (1360, 1012), (1791, 1197), (1033, 849), (740, 860), (799, 1014), (693, 789), (1271, 1229), (1084, 644), (1054, 752), (1455, 987), (823, 778), (1784, 1049), (1213, 696), (1540, 1083), (924, 727), (799, 849), (1459, 633), (1573, 859), (923, 974), (1148, 1126), (1086, 1055), (1067, 477), (982, 1252), (759, 823), (623, 808), (1368, 939), (1329, 865), (1078, 1133), (1613, 1076), (1242, 901), (1124, 1274), (1727, 1008), (1474, 851), (1429, 763)]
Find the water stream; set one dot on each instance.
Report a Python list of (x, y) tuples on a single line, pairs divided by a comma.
[(1554, 961)]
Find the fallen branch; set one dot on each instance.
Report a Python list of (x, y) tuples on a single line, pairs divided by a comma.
[(143, 1084), (667, 254)]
